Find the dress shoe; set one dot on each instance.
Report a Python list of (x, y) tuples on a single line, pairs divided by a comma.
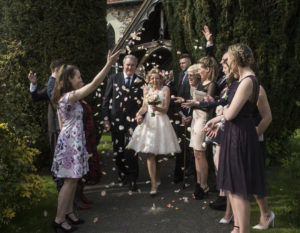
[(219, 204), (224, 221), (133, 186), (82, 206), (270, 221), (57, 226), (75, 222), (153, 193)]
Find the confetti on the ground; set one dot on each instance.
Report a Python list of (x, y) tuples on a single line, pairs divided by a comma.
[(95, 220), (153, 206)]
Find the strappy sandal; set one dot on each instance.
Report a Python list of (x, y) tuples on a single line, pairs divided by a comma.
[(75, 222), (57, 226)]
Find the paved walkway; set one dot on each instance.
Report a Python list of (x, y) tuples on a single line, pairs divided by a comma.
[(115, 210)]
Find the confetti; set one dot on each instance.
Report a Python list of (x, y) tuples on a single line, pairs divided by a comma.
[(121, 127), (103, 193), (95, 220), (177, 191), (129, 192), (153, 206), (45, 213), (104, 173)]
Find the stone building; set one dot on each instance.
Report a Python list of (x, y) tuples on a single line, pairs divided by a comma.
[(141, 28)]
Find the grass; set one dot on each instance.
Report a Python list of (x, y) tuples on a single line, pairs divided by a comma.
[(284, 200), (37, 219)]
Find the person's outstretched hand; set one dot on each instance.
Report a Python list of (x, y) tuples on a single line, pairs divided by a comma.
[(32, 77), (206, 32), (113, 58)]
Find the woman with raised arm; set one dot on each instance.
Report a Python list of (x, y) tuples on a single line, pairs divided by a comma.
[(70, 160), (241, 165)]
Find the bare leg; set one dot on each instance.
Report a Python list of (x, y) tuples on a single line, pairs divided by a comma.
[(216, 156), (242, 211), (197, 165), (151, 163), (228, 212), (158, 166), (65, 201), (203, 169), (264, 210)]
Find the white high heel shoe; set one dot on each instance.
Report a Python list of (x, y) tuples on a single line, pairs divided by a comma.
[(224, 221), (270, 221)]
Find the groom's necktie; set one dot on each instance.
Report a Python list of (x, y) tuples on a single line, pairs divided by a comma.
[(127, 83)]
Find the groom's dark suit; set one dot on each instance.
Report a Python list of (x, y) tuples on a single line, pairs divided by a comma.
[(120, 106)]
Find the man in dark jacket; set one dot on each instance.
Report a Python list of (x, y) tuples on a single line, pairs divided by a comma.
[(122, 100)]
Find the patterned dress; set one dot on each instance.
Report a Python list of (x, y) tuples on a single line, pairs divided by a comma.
[(70, 157)]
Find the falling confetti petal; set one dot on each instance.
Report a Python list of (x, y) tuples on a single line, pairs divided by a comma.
[(103, 193), (45, 213), (121, 127), (177, 191), (95, 220), (104, 173), (129, 192)]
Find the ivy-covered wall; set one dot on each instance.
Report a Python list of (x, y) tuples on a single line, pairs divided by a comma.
[(271, 28), (32, 34)]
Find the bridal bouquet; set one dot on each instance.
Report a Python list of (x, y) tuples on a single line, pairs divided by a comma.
[(153, 99)]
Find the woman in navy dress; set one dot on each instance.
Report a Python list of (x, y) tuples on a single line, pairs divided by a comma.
[(241, 166)]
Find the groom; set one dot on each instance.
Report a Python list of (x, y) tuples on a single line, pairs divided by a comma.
[(122, 100)]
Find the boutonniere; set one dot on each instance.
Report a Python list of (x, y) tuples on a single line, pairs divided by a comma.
[(137, 80)]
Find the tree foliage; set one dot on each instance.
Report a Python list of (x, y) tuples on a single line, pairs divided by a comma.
[(271, 28), (71, 30)]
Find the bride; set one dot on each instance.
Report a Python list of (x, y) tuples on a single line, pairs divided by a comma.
[(154, 135)]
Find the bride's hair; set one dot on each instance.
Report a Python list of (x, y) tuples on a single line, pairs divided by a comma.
[(155, 71)]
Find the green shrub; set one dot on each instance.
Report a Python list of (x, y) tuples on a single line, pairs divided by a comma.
[(20, 188)]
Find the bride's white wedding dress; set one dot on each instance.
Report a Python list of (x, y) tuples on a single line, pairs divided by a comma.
[(156, 134)]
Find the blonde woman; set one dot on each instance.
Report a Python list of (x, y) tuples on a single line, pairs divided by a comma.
[(154, 135), (202, 81)]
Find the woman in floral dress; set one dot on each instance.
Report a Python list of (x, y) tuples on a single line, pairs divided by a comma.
[(70, 160)]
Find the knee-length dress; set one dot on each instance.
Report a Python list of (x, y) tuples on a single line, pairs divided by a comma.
[(156, 134), (70, 157), (241, 164)]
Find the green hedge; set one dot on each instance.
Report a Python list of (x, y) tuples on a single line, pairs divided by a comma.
[(72, 30), (270, 28)]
